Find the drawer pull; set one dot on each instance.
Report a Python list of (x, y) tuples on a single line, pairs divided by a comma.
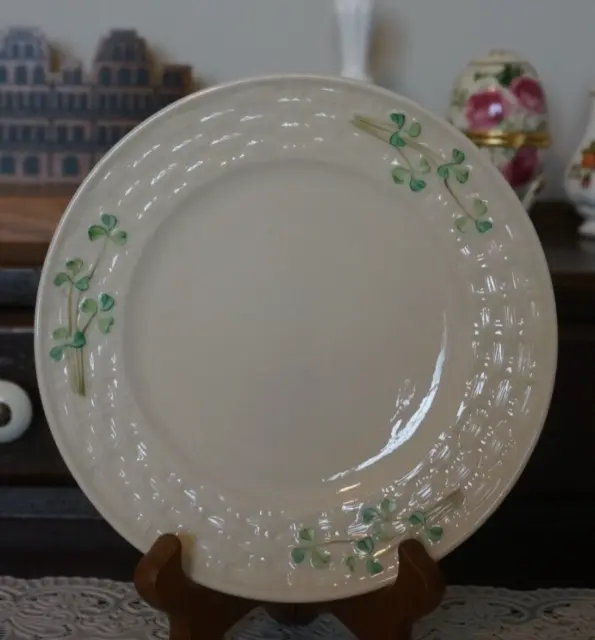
[(15, 411)]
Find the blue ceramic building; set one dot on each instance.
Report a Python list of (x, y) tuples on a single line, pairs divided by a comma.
[(55, 124)]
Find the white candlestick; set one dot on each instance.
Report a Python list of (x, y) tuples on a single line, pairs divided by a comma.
[(355, 26)]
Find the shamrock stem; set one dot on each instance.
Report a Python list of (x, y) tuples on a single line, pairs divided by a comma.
[(99, 257), (457, 200), (89, 321)]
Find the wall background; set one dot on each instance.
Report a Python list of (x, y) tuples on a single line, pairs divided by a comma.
[(421, 45)]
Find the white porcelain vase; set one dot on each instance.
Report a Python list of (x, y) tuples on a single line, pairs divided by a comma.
[(579, 179), (499, 103)]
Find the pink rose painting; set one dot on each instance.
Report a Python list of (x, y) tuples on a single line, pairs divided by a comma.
[(521, 169), (487, 109), (529, 93)]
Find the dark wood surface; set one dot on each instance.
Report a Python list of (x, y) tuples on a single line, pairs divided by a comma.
[(540, 536)]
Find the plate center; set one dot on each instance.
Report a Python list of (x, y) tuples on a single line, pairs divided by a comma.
[(287, 328)]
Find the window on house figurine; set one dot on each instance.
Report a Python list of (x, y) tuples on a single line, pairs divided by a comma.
[(29, 51), (70, 166), (62, 133), (31, 166), (20, 75), (13, 133), (39, 75), (124, 76), (7, 165), (26, 134), (78, 133), (102, 135), (40, 135), (3, 74), (105, 76), (142, 77)]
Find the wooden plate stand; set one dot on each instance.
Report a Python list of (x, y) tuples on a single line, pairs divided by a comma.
[(198, 613)]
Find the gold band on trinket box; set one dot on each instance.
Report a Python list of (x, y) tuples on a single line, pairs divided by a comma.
[(510, 139)]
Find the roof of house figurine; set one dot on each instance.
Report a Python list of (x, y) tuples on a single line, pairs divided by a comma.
[(55, 124)]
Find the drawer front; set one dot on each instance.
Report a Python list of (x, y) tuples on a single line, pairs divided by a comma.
[(563, 462)]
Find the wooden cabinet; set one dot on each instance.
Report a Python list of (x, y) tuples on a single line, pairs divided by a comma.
[(541, 535)]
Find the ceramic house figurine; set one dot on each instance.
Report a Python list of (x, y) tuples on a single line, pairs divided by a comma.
[(55, 124), (579, 180), (499, 103)]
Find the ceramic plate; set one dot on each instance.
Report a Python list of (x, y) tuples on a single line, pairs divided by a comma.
[(296, 319)]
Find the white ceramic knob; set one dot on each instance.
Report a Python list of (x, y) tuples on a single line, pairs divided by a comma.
[(15, 411), (355, 26)]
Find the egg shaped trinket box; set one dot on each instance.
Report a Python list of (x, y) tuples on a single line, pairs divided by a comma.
[(499, 103)]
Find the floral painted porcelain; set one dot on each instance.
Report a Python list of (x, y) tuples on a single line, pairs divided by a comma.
[(295, 320), (499, 102), (580, 176)]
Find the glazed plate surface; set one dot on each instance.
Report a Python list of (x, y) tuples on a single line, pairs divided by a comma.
[(295, 319)]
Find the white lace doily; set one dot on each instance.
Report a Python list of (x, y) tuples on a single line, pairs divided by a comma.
[(90, 609)]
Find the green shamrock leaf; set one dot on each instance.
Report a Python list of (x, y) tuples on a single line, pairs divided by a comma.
[(458, 156), (95, 231), (78, 340), (350, 562), (320, 558), (110, 221), (374, 567), (60, 334), (74, 265), (306, 534), (56, 353), (105, 324), (400, 174), (398, 119), (298, 555), (365, 545), (61, 278), (424, 166), (369, 514), (483, 225), (434, 533), (460, 223), (414, 129), (444, 171), (106, 302), (461, 174), (416, 184), (88, 305), (480, 207), (397, 141), (82, 284), (417, 518)]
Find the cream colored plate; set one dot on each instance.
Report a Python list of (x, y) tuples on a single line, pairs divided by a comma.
[(296, 319)]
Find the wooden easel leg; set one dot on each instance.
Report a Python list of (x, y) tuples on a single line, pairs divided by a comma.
[(389, 614), (194, 612)]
